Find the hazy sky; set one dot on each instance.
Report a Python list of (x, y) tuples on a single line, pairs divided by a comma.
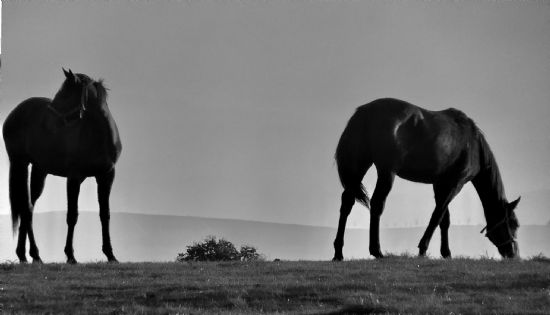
[(233, 109)]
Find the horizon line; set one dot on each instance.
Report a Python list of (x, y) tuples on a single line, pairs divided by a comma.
[(258, 221)]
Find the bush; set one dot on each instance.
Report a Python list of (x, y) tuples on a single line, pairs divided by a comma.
[(218, 250), (249, 253)]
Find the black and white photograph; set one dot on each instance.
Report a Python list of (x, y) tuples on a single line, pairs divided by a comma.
[(275, 157)]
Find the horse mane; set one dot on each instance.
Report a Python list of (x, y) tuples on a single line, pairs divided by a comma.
[(101, 91), (488, 164), (99, 86)]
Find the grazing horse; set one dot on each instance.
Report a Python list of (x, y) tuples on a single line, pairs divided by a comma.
[(443, 148), (73, 136)]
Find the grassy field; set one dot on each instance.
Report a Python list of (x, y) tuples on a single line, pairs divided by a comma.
[(390, 285)]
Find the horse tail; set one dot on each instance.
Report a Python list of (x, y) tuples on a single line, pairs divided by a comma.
[(19, 193), (353, 159), (14, 134)]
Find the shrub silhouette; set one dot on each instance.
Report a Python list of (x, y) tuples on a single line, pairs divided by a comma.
[(218, 250), (249, 253)]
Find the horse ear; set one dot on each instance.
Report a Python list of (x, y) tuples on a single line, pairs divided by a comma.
[(512, 205), (75, 78), (69, 75)]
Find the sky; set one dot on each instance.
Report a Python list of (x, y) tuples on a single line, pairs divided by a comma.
[(233, 109)]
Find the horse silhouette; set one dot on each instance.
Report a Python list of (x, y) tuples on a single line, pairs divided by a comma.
[(443, 148), (73, 136)]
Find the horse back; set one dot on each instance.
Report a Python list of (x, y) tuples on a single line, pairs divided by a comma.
[(419, 144), (437, 146)]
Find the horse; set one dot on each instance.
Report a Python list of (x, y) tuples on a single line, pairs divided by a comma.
[(443, 148), (73, 136)]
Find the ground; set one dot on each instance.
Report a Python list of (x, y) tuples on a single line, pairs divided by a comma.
[(391, 285)]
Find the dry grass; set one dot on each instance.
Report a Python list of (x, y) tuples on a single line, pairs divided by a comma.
[(391, 285)]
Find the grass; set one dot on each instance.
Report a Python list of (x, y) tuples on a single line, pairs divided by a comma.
[(392, 285)]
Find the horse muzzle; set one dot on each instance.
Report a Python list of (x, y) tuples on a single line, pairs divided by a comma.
[(509, 250)]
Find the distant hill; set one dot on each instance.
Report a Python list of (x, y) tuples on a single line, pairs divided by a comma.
[(138, 237)]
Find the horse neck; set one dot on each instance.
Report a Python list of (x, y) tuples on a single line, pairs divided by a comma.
[(104, 125), (489, 186)]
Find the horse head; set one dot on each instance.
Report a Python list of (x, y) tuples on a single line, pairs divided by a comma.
[(77, 94), (503, 233)]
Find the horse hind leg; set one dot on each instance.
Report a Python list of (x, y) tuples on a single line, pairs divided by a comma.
[(20, 205), (38, 178), (351, 179), (384, 184), (348, 199)]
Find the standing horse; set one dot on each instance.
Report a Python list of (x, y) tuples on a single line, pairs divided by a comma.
[(443, 148), (73, 136)]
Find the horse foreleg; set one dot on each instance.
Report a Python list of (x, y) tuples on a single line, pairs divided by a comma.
[(444, 227), (73, 190), (38, 178), (104, 184), (347, 203), (384, 184), (21, 250), (444, 193)]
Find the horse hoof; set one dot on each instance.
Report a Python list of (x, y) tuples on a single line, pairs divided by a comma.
[(37, 261), (337, 258), (376, 253), (113, 260), (422, 251), (71, 261)]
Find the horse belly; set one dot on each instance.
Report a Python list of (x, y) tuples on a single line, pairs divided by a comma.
[(428, 159), (63, 155), (418, 170), (68, 166)]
